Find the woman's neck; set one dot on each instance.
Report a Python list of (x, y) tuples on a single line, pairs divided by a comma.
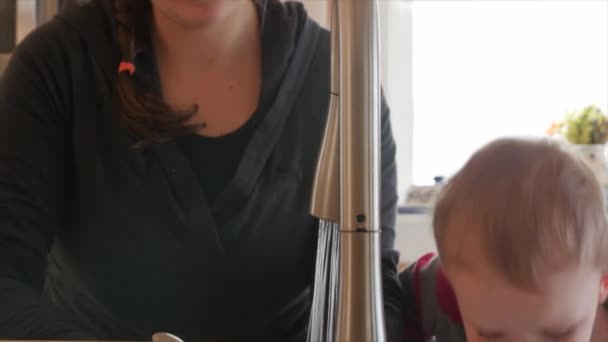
[(219, 42)]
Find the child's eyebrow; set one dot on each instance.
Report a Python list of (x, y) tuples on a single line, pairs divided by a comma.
[(490, 334), (563, 331)]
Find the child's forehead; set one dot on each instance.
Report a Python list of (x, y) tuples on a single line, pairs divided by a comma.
[(479, 272), (564, 296), (522, 258)]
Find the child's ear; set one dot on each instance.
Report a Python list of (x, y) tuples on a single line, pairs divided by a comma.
[(603, 288)]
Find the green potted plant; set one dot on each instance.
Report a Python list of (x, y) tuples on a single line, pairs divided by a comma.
[(587, 132)]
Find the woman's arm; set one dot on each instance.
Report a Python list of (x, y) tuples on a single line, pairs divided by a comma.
[(34, 176), (393, 294)]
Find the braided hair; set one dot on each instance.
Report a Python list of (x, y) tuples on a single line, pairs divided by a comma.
[(144, 113)]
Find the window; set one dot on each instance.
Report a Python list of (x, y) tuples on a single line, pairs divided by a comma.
[(459, 73), (485, 69)]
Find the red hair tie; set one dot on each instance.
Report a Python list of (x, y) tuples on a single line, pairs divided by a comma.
[(126, 66)]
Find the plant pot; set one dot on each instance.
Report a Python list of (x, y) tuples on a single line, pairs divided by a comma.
[(595, 156)]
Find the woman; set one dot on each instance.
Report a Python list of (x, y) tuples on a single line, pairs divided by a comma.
[(156, 161)]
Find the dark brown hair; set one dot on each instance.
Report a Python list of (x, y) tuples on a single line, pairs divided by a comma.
[(144, 113)]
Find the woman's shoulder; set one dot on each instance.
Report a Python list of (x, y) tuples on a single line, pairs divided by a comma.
[(59, 56), (288, 25), (83, 21), (68, 42), (289, 10), (294, 14), (64, 48)]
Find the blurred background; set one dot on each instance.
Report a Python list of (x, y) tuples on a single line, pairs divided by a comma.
[(460, 73), (457, 74)]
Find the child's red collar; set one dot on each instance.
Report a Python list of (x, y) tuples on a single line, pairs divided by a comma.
[(447, 298)]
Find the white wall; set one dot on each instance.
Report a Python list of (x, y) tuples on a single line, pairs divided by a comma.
[(478, 76), (396, 40), (414, 236)]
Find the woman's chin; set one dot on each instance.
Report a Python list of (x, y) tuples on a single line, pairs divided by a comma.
[(195, 13)]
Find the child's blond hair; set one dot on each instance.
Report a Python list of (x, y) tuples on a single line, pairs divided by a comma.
[(527, 207)]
